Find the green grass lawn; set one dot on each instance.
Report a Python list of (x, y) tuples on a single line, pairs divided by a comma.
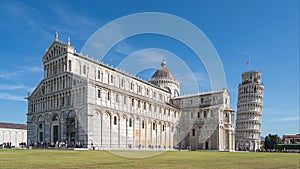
[(23, 159)]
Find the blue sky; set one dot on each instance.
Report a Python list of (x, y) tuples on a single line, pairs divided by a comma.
[(264, 32)]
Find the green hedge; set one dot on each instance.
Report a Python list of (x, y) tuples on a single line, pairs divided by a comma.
[(287, 146)]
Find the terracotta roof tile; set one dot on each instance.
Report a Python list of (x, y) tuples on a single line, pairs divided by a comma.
[(13, 126)]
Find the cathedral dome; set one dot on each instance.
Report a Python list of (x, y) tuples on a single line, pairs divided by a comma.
[(163, 73), (165, 79)]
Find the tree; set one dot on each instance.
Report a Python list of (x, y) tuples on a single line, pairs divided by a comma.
[(293, 141), (267, 142), (271, 141)]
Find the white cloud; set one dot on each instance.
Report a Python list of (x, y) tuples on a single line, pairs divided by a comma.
[(70, 21), (17, 9), (6, 96), (284, 119), (152, 56), (278, 111), (18, 12), (190, 82), (73, 18), (98, 45), (16, 87), (124, 49), (5, 74), (19, 71), (270, 111), (149, 57), (73, 22), (34, 69)]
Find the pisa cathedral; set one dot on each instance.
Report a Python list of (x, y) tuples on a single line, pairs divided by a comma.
[(81, 101)]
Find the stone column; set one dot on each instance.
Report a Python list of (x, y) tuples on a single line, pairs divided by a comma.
[(133, 132)]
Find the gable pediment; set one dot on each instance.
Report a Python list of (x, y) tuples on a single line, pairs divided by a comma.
[(56, 49), (39, 91)]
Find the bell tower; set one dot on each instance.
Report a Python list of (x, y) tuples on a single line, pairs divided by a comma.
[(249, 111)]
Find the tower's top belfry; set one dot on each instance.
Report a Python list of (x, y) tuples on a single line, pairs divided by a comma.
[(251, 77)]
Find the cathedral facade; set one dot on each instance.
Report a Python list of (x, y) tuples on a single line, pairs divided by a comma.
[(83, 102)]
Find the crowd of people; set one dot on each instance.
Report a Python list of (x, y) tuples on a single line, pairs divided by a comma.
[(9, 145), (59, 145)]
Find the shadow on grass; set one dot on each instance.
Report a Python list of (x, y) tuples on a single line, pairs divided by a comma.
[(136, 154)]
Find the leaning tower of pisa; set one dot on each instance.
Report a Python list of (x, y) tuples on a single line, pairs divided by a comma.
[(249, 111)]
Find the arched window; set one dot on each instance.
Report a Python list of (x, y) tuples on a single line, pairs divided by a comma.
[(99, 93), (55, 117), (193, 132), (205, 114), (143, 124), (125, 98), (130, 122), (99, 74), (84, 69), (122, 82), (108, 95), (115, 120), (175, 92), (111, 78), (131, 86)]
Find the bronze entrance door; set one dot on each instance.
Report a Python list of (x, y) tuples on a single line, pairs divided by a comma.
[(71, 132), (55, 134)]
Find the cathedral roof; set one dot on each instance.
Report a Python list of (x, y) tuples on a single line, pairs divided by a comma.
[(13, 126), (163, 73)]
